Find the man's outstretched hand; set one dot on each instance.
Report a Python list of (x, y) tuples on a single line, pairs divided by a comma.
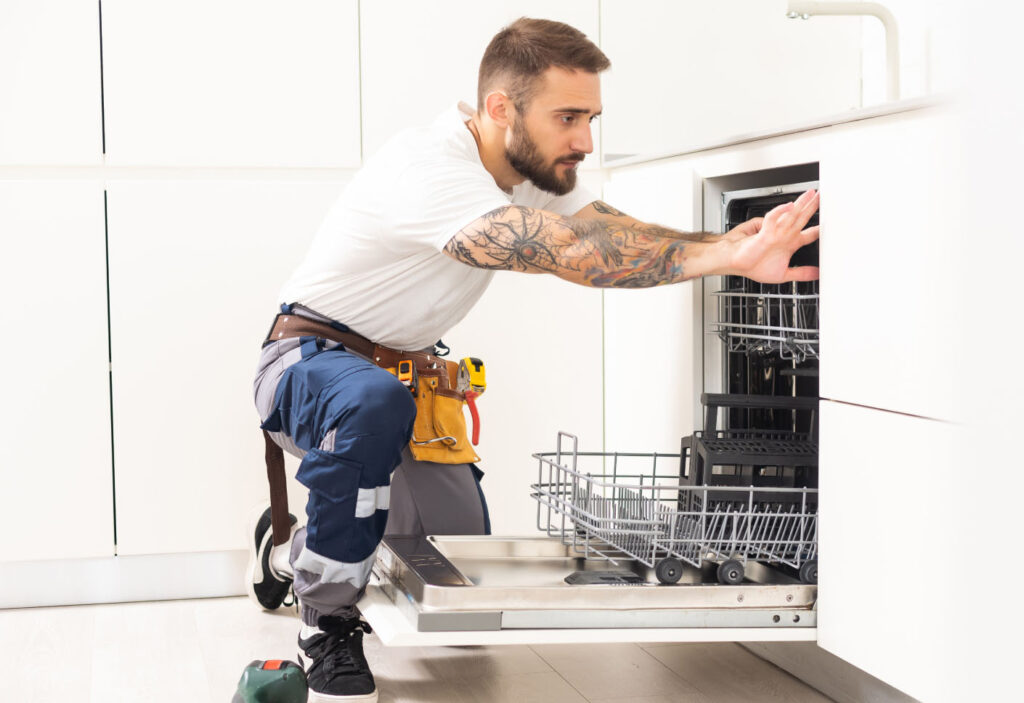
[(761, 248)]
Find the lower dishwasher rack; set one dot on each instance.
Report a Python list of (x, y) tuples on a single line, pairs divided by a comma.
[(598, 573)]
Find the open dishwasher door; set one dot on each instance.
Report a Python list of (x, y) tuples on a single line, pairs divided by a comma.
[(631, 553)]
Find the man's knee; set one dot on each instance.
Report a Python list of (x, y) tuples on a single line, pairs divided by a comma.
[(386, 400), (375, 404), (368, 423)]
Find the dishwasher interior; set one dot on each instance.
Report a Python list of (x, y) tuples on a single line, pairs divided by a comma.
[(722, 534)]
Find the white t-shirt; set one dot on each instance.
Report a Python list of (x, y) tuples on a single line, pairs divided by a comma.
[(377, 262)]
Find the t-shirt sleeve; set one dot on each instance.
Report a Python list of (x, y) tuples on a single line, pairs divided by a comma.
[(433, 200)]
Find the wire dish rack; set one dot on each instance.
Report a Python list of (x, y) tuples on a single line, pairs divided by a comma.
[(770, 318), (605, 505)]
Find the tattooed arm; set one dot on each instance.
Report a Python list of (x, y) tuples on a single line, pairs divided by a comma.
[(599, 210), (589, 252), (607, 253), (604, 212)]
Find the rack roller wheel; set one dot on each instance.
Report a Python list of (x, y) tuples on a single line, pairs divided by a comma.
[(809, 571), (730, 572), (669, 570)]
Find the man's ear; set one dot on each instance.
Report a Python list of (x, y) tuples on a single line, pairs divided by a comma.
[(499, 108)]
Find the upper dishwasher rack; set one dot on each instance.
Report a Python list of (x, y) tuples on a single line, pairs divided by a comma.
[(777, 318)]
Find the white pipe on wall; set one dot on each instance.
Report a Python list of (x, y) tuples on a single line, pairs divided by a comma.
[(808, 8)]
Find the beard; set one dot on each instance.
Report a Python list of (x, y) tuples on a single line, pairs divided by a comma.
[(524, 156)]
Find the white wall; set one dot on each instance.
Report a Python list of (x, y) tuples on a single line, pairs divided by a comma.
[(420, 58), (50, 110), (931, 50), (236, 83), (686, 74)]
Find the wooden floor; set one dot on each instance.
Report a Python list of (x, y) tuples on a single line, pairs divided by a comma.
[(195, 651)]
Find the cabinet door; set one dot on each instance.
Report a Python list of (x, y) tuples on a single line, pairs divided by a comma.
[(56, 501), (232, 83), (889, 280), (50, 109), (685, 74), (892, 513), (195, 268), (419, 59), (652, 344)]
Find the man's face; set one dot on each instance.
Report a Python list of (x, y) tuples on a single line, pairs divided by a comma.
[(547, 143)]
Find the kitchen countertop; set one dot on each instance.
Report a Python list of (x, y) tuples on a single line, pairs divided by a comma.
[(863, 113)]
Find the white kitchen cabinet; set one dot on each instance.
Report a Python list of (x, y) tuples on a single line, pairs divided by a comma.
[(232, 83), (890, 515), (686, 74), (195, 268), (56, 500), (419, 59), (890, 212), (50, 110), (652, 344)]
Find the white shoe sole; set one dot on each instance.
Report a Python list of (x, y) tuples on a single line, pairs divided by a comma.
[(254, 569)]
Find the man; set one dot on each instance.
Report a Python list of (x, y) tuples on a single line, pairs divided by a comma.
[(405, 253)]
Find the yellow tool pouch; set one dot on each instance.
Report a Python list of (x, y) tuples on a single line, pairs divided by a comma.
[(439, 433)]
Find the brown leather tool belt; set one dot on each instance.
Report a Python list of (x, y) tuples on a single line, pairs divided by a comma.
[(289, 325)]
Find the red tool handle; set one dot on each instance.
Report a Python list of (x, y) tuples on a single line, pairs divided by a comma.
[(471, 402)]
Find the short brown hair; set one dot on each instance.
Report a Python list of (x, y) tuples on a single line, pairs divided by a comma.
[(525, 49)]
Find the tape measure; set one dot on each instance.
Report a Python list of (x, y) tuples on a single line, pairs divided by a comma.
[(405, 372), (472, 376)]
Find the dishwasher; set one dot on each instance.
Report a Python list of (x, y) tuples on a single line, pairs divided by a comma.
[(715, 542)]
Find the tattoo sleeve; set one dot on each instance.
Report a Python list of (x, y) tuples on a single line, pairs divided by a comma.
[(659, 231), (606, 209), (655, 230), (599, 253)]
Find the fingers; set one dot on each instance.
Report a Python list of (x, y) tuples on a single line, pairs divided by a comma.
[(801, 273), (805, 198), (805, 207), (776, 212), (753, 226), (749, 228), (792, 216), (810, 234)]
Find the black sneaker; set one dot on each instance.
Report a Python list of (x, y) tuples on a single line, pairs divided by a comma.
[(336, 668), (266, 586)]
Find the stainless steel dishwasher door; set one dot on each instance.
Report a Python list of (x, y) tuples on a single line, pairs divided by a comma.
[(474, 590)]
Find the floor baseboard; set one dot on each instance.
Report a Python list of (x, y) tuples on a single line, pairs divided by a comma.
[(122, 579)]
